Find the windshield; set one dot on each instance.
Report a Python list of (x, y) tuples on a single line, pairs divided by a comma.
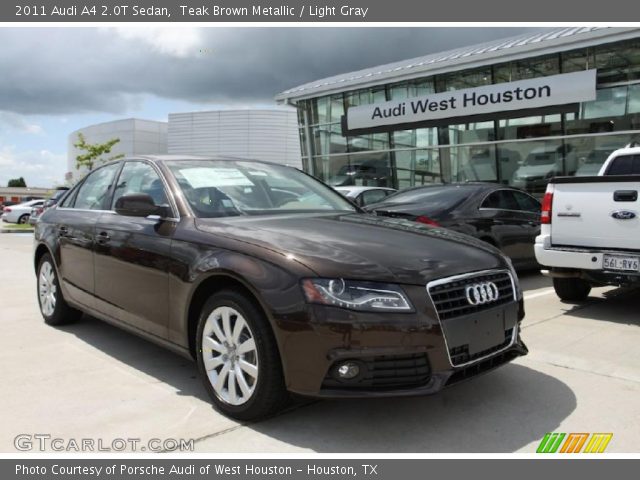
[(219, 188)]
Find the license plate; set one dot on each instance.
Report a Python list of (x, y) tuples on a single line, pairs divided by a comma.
[(617, 262)]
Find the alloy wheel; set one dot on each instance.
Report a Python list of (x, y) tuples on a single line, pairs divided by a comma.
[(230, 356), (47, 289)]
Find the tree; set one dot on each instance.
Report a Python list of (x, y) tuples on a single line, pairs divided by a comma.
[(17, 182), (94, 152)]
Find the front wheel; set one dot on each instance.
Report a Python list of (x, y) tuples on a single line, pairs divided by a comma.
[(53, 307), (571, 289), (238, 357)]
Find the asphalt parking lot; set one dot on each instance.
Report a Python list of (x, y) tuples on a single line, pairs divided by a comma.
[(92, 380)]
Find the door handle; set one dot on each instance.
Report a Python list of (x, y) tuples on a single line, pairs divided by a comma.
[(625, 195), (103, 238)]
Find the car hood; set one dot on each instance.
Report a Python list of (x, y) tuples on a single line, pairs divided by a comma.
[(361, 246)]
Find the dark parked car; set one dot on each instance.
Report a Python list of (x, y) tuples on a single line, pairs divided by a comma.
[(505, 217), (274, 293)]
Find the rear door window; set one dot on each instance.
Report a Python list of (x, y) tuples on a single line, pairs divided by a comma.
[(526, 202), (500, 200), (624, 165)]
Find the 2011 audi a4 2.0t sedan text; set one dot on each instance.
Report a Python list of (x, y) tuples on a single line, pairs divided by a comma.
[(274, 282)]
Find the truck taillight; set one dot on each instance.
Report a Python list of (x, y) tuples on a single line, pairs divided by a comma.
[(545, 213)]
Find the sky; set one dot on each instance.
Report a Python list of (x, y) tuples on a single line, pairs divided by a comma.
[(54, 81)]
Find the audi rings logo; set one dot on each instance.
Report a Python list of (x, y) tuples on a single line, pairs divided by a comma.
[(482, 293)]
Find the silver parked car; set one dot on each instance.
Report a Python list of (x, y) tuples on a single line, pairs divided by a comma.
[(20, 213), (364, 196)]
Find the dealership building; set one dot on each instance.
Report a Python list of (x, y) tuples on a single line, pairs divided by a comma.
[(517, 111), (262, 133)]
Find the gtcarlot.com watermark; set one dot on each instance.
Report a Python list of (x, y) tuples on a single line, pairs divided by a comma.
[(44, 442)]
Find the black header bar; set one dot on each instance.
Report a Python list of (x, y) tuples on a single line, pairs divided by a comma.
[(228, 11)]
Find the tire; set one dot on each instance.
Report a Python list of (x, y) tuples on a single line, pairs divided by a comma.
[(53, 307), (571, 289), (244, 379), (23, 219)]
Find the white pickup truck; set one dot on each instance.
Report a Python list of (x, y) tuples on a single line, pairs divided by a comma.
[(590, 233)]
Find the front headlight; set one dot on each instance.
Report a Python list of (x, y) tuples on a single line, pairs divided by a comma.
[(362, 296)]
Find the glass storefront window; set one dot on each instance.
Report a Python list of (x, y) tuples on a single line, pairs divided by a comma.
[(605, 114), (365, 97), (399, 92), (618, 62), (362, 143), (417, 167), (592, 151), (502, 73), (368, 170), (610, 102), (634, 99), (538, 162), (425, 87), (530, 127), (471, 133), (337, 108), (460, 80), (524, 152), (328, 139), (577, 60), (426, 137), (319, 110), (473, 163), (535, 67)]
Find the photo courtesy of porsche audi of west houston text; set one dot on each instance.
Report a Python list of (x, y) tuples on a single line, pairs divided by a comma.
[(211, 12)]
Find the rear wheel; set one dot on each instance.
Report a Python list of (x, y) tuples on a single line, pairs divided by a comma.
[(23, 219), (571, 289), (238, 358), (53, 307)]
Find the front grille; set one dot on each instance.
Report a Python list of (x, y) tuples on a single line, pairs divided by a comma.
[(386, 372), (483, 366), (450, 298), (460, 355)]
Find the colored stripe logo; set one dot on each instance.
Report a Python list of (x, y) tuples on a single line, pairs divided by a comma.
[(574, 443)]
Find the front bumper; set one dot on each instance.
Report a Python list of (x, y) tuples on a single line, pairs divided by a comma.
[(398, 354)]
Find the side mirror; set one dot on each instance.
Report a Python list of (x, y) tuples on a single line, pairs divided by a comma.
[(139, 205)]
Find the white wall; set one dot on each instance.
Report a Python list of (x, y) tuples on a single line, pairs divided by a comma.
[(137, 137), (269, 134)]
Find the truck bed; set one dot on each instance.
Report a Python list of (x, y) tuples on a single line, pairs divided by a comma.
[(596, 212)]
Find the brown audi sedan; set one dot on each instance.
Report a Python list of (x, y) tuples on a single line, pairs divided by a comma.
[(274, 282)]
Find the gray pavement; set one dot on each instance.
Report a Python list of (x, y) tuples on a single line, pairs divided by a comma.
[(92, 380)]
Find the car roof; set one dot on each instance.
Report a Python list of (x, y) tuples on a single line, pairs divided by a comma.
[(360, 189), (470, 185)]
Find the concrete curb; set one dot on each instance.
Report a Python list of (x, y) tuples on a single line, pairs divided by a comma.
[(15, 230)]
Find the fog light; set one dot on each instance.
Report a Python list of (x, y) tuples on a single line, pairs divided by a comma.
[(348, 370)]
